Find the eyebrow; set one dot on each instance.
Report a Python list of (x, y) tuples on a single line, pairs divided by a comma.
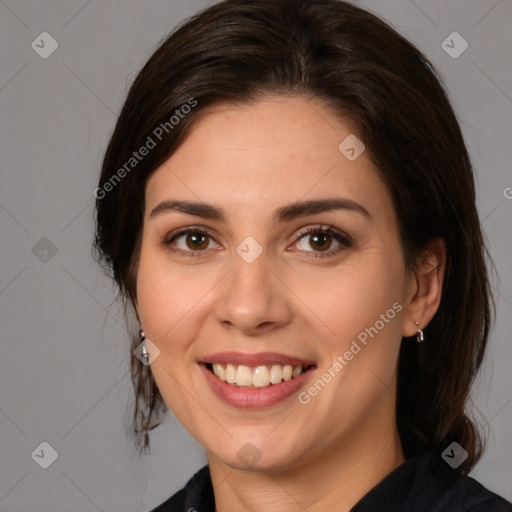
[(285, 213)]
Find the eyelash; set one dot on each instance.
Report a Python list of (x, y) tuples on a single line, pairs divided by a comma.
[(345, 240)]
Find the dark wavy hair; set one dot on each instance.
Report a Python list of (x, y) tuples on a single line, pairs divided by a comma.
[(238, 51)]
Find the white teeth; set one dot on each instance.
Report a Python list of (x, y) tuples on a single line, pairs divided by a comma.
[(243, 376), (230, 374), (287, 372), (256, 377), (276, 374), (297, 370), (218, 369), (261, 377)]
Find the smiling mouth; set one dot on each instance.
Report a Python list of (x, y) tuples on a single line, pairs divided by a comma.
[(256, 377)]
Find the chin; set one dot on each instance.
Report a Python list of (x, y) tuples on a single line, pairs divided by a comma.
[(258, 455)]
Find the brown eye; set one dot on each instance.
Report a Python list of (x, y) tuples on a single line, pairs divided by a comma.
[(188, 241), (320, 241), (197, 241)]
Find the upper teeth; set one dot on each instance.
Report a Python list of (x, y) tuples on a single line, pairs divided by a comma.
[(259, 376)]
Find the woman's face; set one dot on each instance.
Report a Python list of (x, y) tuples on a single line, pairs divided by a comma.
[(248, 288)]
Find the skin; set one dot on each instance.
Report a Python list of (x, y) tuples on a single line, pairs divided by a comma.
[(250, 160)]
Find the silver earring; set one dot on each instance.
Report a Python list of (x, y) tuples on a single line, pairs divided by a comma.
[(145, 353), (419, 334)]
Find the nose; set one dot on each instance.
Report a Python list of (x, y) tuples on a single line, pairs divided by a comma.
[(252, 298)]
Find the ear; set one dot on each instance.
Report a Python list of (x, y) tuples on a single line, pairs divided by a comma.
[(424, 288)]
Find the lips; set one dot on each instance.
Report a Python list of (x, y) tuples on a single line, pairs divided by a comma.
[(255, 380)]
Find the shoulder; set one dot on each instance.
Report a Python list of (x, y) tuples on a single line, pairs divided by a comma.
[(477, 498), (197, 495), (461, 491), (429, 484)]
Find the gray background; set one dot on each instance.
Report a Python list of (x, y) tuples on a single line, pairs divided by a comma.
[(64, 353)]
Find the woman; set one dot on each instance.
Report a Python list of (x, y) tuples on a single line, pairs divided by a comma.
[(288, 205)]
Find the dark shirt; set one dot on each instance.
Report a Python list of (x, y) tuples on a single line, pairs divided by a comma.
[(425, 484)]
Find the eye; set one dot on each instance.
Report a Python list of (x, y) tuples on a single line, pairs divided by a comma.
[(195, 240), (321, 240), (190, 241)]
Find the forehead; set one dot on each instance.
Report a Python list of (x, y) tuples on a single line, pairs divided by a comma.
[(261, 155)]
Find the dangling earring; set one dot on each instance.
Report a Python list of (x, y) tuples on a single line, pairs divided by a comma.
[(145, 353), (419, 334)]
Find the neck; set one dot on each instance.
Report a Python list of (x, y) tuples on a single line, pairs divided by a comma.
[(335, 478)]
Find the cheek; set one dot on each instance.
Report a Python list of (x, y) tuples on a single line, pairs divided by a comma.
[(164, 299), (353, 298), (361, 352), (165, 304), (361, 307)]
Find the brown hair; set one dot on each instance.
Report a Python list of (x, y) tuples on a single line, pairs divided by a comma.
[(238, 51)]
